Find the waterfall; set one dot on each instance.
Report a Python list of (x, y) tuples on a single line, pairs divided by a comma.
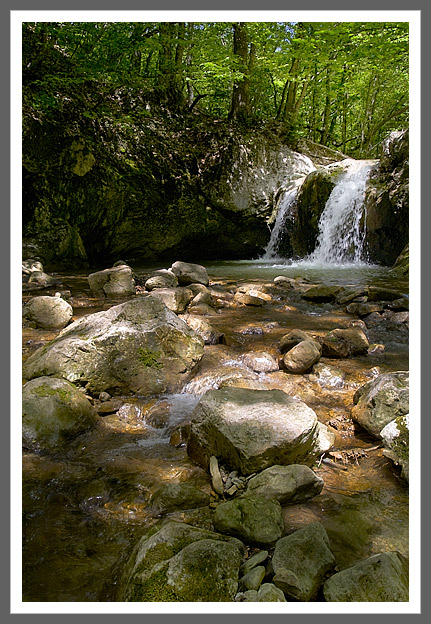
[(341, 225), (284, 214)]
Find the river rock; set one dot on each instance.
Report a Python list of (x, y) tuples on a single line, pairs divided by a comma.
[(255, 560), (268, 592), (172, 496), (290, 340), (395, 436), (301, 562), (341, 343), (329, 376), (378, 293), (321, 294), (188, 273), (176, 299), (208, 334), (164, 278), (149, 576), (30, 265), (248, 299), (260, 361), (43, 280), (253, 579), (301, 357), (286, 484), (48, 312), (139, 346), (381, 400), (363, 309), (251, 430), (381, 578), (253, 520), (114, 282), (53, 412)]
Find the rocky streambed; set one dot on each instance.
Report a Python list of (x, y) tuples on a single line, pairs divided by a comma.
[(190, 435)]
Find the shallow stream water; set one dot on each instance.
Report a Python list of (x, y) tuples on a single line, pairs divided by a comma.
[(86, 508)]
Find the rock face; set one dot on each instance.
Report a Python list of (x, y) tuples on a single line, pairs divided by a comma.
[(381, 578), (136, 347), (251, 429), (53, 412), (381, 400), (286, 484), (115, 282), (301, 562), (48, 312), (253, 519), (153, 570)]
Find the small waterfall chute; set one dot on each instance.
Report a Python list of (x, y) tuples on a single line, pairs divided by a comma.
[(284, 214), (342, 223)]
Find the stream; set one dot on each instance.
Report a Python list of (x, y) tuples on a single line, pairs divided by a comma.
[(83, 510)]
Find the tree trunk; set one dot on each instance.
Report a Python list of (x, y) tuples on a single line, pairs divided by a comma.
[(240, 106)]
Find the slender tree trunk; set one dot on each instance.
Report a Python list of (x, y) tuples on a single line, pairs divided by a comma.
[(240, 105)]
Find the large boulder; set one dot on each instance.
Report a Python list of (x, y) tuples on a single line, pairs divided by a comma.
[(115, 282), (381, 400), (251, 430), (176, 299), (188, 273), (286, 484), (135, 347), (253, 519), (341, 343), (163, 278), (302, 561), (48, 312), (151, 573), (395, 436), (380, 578), (53, 412)]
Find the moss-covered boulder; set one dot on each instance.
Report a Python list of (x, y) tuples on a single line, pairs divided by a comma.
[(153, 573), (395, 436), (254, 520), (381, 578), (135, 347), (54, 412), (302, 561), (173, 496)]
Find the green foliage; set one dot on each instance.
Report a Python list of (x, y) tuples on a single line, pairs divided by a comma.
[(342, 84)]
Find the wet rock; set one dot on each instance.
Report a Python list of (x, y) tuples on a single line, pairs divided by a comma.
[(172, 496), (302, 561), (381, 578), (290, 340), (321, 294), (363, 309), (176, 299), (202, 298), (249, 300), (301, 357), (208, 334), (145, 577), (341, 343), (202, 309), (180, 435), (188, 273), (164, 278), (399, 305), (253, 519), (260, 361), (395, 436), (48, 312), (329, 376), (286, 484), (349, 294), (251, 430), (377, 293), (53, 412), (325, 440), (42, 280), (374, 319), (115, 282), (136, 347), (381, 400), (396, 317), (216, 480)]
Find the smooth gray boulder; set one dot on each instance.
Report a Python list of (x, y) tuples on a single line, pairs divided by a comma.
[(380, 578), (135, 347), (251, 430), (114, 282), (53, 412), (381, 400), (189, 273), (176, 299), (302, 561), (286, 484), (48, 312), (144, 577), (253, 520)]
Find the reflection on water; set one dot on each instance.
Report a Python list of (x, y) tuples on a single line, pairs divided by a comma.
[(83, 510)]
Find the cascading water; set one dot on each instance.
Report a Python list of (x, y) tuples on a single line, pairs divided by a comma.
[(283, 216), (342, 224)]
